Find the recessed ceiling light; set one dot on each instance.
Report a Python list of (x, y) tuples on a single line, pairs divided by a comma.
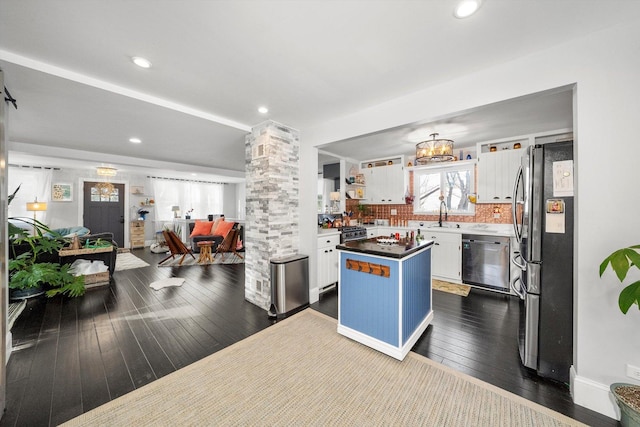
[(141, 62), (466, 8), (263, 110), (135, 140)]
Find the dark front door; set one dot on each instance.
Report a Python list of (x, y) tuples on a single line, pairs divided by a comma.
[(104, 209)]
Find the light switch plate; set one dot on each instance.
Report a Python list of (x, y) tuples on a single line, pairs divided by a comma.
[(394, 212)]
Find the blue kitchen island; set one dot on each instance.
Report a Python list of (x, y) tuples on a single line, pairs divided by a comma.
[(384, 293)]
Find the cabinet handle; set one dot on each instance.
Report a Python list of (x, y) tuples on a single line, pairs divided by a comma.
[(326, 251), (330, 250), (496, 198), (328, 241), (508, 198), (437, 244)]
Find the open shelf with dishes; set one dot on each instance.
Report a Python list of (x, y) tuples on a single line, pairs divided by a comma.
[(356, 187)]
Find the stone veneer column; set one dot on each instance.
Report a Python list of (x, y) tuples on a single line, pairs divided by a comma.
[(272, 191)]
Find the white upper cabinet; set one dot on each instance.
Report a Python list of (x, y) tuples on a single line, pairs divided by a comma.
[(497, 169), (496, 175), (386, 181)]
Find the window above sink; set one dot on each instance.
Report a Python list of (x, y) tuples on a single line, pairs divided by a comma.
[(453, 180)]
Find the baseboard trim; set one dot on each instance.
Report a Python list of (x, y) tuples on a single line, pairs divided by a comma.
[(314, 295), (593, 395)]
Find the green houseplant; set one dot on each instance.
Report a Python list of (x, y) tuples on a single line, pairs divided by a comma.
[(27, 275), (627, 395), (621, 261)]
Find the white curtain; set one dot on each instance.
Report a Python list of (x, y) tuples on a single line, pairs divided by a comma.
[(34, 183), (204, 198)]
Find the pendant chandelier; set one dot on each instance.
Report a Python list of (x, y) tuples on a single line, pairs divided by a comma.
[(106, 188), (106, 171), (434, 150)]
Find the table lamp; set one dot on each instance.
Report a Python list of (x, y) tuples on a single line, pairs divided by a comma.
[(175, 210), (34, 207)]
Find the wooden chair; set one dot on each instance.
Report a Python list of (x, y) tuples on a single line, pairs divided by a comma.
[(229, 244), (175, 246)]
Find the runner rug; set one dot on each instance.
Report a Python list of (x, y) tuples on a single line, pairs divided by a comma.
[(301, 372), (452, 288)]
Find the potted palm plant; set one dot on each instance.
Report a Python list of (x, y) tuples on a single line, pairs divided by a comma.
[(627, 395), (29, 273)]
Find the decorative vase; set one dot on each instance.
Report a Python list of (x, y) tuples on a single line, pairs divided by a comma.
[(628, 399)]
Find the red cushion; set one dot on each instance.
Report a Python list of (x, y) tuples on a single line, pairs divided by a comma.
[(224, 227), (215, 225), (201, 228)]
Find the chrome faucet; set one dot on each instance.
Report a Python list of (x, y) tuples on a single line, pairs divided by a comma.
[(446, 213)]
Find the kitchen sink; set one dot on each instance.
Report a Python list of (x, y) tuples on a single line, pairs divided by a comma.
[(443, 226), (478, 228)]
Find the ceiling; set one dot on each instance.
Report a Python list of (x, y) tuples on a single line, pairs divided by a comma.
[(80, 98), (551, 110)]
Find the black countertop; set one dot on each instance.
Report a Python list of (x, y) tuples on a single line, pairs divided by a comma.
[(371, 247)]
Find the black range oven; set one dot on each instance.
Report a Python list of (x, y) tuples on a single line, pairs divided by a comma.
[(352, 232)]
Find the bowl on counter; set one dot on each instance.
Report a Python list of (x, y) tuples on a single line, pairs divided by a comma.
[(387, 241)]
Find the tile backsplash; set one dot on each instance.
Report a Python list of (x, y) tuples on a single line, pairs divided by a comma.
[(497, 213), (490, 213)]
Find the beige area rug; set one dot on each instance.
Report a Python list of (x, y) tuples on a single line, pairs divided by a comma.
[(452, 288), (127, 261), (188, 261), (301, 372)]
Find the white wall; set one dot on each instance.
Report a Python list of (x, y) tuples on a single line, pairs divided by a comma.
[(229, 201), (67, 214), (605, 67), (241, 200)]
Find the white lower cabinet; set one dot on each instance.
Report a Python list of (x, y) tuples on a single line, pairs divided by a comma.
[(446, 255), (372, 232), (327, 260)]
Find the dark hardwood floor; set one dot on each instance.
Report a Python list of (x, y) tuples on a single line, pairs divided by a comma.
[(72, 355), (477, 335)]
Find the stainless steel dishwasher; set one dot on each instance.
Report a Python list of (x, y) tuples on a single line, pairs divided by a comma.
[(485, 261)]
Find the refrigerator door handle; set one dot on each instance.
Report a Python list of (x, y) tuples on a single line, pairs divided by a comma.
[(517, 289), (515, 203), (514, 260)]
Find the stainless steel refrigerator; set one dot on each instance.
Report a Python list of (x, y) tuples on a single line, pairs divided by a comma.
[(543, 209)]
